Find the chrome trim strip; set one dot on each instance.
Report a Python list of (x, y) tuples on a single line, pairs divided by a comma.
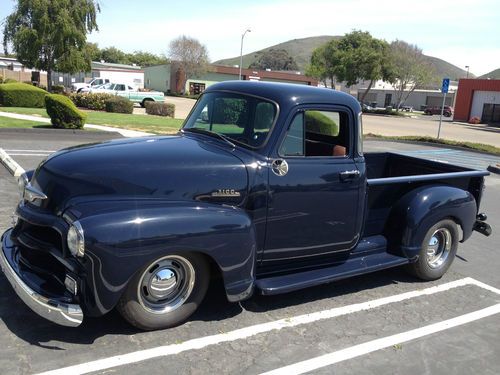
[(69, 315)]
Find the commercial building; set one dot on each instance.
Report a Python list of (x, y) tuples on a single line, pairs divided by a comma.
[(168, 78), (383, 94), (478, 98)]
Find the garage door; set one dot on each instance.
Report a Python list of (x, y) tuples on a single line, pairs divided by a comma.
[(480, 99)]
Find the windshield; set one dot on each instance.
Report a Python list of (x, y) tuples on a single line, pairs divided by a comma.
[(244, 119)]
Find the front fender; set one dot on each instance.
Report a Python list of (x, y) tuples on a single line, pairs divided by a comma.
[(421, 208), (125, 237)]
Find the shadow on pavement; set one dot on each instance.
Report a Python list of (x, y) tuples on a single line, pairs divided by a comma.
[(31, 328)]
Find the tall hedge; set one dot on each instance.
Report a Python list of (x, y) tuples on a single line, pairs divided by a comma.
[(22, 95), (63, 113)]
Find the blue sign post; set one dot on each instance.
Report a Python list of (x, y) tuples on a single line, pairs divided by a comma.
[(444, 89)]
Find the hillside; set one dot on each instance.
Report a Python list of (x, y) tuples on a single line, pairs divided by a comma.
[(494, 74), (301, 50)]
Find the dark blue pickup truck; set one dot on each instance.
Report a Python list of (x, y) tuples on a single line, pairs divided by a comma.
[(266, 186)]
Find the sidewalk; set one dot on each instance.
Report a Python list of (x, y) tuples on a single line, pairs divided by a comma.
[(123, 132)]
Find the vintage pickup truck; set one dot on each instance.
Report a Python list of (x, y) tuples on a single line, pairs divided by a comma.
[(122, 89), (266, 186)]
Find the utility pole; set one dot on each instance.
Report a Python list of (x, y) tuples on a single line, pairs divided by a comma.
[(241, 50)]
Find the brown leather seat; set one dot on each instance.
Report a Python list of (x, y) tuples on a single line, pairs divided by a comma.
[(339, 150)]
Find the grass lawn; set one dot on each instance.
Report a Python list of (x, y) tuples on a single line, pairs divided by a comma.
[(6, 122), (146, 123)]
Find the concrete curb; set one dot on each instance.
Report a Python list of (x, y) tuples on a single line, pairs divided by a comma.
[(15, 169)]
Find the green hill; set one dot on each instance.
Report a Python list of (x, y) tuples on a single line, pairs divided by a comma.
[(494, 74), (301, 51)]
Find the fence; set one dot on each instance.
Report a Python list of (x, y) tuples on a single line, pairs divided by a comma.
[(22, 76)]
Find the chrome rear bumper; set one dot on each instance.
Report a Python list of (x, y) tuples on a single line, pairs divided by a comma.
[(69, 315)]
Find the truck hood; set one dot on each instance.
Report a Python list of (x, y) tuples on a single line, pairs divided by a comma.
[(177, 168)]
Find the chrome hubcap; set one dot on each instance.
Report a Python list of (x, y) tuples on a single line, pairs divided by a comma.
[(439, 247), (166, 284)]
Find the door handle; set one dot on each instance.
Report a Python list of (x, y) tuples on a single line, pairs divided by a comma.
[(349, 175)]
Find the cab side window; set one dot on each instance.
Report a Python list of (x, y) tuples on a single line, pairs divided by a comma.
[(317, 133)]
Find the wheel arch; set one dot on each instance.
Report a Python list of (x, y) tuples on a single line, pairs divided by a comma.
[(117, 248), (421, 208)]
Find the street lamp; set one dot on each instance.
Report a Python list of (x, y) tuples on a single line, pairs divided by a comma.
[(241, 50), (467, 67)]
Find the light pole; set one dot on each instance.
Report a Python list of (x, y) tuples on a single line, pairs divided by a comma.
[(467, 67), (241, 50)]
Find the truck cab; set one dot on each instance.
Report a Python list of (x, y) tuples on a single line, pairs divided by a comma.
[(266, 185)]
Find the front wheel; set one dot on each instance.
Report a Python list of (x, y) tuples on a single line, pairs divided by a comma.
[(166, 292), (438, 250)]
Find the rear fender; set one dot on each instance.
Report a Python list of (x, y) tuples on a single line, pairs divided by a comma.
[(127, 236), (421, 208)]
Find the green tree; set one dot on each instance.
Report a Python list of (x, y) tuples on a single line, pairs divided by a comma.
[(51, 35), (93, 52), (114, 55), (354, 57), (191, 56), (142, 58), (409, 70), (275, 59)]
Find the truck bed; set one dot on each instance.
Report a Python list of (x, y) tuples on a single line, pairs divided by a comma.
[(391, 175)]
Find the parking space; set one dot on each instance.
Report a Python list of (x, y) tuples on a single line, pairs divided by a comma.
[(386, 322)]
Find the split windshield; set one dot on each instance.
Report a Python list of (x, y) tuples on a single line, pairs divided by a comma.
[(241, 118)]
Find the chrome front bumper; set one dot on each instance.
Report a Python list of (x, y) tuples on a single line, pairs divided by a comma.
[(69, 315)]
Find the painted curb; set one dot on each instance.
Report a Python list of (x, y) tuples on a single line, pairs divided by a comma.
[(494, 168), (15, 169)]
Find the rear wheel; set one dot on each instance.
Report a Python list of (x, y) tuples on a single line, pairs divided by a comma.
[(438, 250), (166, 292)]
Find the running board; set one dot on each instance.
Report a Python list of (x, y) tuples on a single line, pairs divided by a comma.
[(352, 267)]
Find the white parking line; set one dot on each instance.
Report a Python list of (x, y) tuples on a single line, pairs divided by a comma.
[(382, 343), (25, 154), (44, 151), (243, 333), (12, 166)]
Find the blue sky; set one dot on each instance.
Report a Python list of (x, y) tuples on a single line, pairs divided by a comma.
[(462, 32)]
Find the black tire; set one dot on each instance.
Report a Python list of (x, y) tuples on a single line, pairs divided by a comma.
[(429, 267), (137, 308), (143, 103), (447, 114)]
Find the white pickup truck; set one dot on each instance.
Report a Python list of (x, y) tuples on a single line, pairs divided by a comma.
[(122, 89), (78, 86)]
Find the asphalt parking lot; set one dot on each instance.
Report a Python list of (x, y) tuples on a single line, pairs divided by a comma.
[(383, 323)]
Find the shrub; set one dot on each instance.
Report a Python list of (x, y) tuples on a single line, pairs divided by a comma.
[(1, 78), (94, 101), (10, 80), (119, 104), (22, 95), (57, 89), (160, 109), (63, 113)]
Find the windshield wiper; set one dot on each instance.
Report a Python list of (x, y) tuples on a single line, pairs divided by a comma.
[(208, 132)]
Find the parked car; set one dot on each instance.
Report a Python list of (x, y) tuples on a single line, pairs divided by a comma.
[(80, 86), (121, 89), (436, 110), (266, 186), (407, 108)]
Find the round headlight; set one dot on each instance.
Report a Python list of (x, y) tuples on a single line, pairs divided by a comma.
[(75, 240)]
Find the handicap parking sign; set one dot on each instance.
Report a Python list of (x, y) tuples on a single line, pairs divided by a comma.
[(445, 85)]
